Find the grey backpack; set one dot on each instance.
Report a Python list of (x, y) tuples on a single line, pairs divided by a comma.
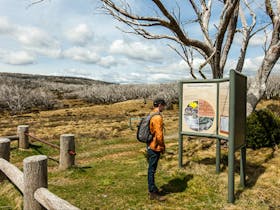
[(144, 134)]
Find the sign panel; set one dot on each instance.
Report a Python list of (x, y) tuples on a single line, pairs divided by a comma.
[(224, 108), (238, 110), (199, 108)]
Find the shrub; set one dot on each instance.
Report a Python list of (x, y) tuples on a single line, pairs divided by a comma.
[(15, 97), (263, 129), (274, 108), (42, 98)]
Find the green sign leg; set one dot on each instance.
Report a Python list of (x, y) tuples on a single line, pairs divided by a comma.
[(218, 155), (180, 151), (231, 175), (243, 166)]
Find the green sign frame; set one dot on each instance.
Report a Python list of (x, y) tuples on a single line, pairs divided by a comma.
[(216, 108)]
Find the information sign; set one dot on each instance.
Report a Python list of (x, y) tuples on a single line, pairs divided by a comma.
[(199, 108)]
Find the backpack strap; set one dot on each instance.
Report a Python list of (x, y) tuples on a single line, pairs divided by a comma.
[(154, 113)]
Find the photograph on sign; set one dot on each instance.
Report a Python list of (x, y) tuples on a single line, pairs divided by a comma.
[(224, 108), (199, 107), (224, 124)]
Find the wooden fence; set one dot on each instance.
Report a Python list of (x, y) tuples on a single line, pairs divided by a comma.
[(66, 148), (33, 181)]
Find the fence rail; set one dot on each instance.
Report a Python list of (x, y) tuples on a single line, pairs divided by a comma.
[(32, 182), (51, 201), (12, 173), (12, 138), (42, 141)]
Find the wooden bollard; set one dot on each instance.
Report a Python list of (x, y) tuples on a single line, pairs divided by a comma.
[(67, 148), (23, 142), (35, 176), (4, 153)]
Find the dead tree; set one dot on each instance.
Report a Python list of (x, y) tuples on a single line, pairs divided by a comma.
[(215, 46)]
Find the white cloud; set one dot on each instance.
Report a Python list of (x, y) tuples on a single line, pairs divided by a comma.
[(38, 41), (17, 58), (80, 35), (31, 39), (83, 72), (5, 26), (108, 61), (169, 68), (136, 50), (77, 72), (256, 40), (180, 70), (251, 65), (81, 54), (85, 55)]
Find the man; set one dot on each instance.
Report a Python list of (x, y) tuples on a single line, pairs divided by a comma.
[(155, 147)]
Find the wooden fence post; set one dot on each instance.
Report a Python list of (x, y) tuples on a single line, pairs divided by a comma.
[(4, 153), (35, 175), (23, 141), (67, 143)]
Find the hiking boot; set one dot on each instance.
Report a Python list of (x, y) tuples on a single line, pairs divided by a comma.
[(156, 196)]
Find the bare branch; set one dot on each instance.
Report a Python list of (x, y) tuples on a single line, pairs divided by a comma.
[(118, 12), (229, 39), (260, 29), (187, 57), (33, 3), (247, 34), (269, 9), (265, 42), (204, 64), (203, 18)]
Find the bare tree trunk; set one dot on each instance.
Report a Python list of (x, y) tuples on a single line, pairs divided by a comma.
[(258, 85)]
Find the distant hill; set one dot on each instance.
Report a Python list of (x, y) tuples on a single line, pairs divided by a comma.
[(50, 79)]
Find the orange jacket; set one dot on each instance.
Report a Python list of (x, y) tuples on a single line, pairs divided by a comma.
[(156, 128)]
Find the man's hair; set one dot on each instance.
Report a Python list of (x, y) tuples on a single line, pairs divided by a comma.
[(159, 101)]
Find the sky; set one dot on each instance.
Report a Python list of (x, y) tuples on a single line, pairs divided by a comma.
[(74, 38)]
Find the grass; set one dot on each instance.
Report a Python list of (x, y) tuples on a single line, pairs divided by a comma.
[(111, 169)]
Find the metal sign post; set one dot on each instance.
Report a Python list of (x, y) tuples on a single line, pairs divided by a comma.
[(216, 109)]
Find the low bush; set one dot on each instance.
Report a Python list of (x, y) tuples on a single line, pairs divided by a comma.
[(263, 129)]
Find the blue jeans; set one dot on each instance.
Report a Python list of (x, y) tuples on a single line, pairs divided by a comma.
[(153, 158)]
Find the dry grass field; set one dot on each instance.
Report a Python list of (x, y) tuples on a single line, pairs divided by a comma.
[(110, 170)]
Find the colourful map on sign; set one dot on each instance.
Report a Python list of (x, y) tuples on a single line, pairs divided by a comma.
[(199, 115)]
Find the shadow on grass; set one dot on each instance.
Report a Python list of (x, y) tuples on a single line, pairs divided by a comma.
[(253, 171), (38, 148), (176, 185), (80, 168)]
